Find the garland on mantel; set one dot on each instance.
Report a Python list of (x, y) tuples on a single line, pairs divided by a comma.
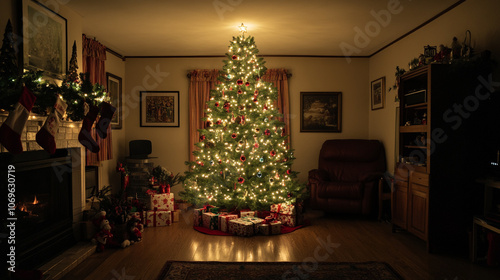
[(75, 92)]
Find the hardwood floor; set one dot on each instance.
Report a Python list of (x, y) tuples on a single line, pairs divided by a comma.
[(349, 239)]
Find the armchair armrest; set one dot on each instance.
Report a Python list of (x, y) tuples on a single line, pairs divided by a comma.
[(318, 175)]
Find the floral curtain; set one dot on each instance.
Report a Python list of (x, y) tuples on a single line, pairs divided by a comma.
[(94, 57), (201, 82), (279, 78)]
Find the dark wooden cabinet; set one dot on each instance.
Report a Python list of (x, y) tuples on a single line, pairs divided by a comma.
[(442, 148)]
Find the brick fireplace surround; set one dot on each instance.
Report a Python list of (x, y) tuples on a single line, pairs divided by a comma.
[(67, 138)]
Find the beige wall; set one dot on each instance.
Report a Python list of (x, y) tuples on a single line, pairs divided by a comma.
[(478, 16), (170, 145)]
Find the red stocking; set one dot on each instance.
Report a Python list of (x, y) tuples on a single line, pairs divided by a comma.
[(11, 129), (46, 135), (107, 111), (85, 137)]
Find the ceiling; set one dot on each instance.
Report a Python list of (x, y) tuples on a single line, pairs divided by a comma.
[(280, 27)]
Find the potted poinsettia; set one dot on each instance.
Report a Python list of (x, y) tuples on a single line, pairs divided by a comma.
[(164, 178)]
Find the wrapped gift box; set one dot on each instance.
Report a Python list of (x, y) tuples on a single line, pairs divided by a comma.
[(247, 213), (273, 227), (175, 215), (224, 221), (162, 201), (288, 214), (198, 216), (158, 218), (247, 226), (210, 220)]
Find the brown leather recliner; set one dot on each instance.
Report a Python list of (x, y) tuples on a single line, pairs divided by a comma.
[(347, 177)]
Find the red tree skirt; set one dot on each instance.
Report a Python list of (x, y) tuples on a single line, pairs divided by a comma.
[(284, 229)]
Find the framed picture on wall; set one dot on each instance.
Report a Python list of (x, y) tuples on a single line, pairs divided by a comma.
[(320, 111), (44, 39), (114, 88), (159, 109), (378, 93)]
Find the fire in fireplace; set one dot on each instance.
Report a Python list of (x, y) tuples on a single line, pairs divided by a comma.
[(44, 205)]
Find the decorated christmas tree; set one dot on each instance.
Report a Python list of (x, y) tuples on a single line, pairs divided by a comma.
[(243, 159), (9, 71)]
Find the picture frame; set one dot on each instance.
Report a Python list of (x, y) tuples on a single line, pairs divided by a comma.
[(114, 89), (45, 42), (159, 109), (320, 111), (377, 90)]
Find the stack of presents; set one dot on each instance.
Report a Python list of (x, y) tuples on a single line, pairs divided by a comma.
[(249, 223), (162, 210)]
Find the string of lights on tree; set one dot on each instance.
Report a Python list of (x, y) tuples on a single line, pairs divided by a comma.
[(243, 160), (75, 90)]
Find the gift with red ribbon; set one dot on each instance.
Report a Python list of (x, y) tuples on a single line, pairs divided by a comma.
[(162, 201), (224, 221), (289, 214), (270, 226), (158, 218)]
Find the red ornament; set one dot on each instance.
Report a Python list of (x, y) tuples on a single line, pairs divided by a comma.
[(272, 153), (256, 92), (241, 180), (288, 171), (218, 122), (247, 84), (234, 135), (240, 91), (267, 132), (255, 100), (234, 57), (265, 107), (256, 145), (202, 137), (243, 158), (239, 82), (216, 104)]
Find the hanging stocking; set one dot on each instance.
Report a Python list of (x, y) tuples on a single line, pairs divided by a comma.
[(46, 135), (11, 129), (85, 137), (107, 111)]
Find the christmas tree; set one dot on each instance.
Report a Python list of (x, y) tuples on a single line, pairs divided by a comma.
[(72, 76), (242, 160), (9, 72)]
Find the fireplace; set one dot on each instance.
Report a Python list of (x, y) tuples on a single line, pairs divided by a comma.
[(44, 205)]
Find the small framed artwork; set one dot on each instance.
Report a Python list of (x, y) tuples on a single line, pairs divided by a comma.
[(114, 87), (44, 39), (320, 111), (378, 93), (159, 109)]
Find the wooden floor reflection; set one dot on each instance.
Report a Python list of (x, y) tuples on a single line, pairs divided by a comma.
[(331, 239)]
